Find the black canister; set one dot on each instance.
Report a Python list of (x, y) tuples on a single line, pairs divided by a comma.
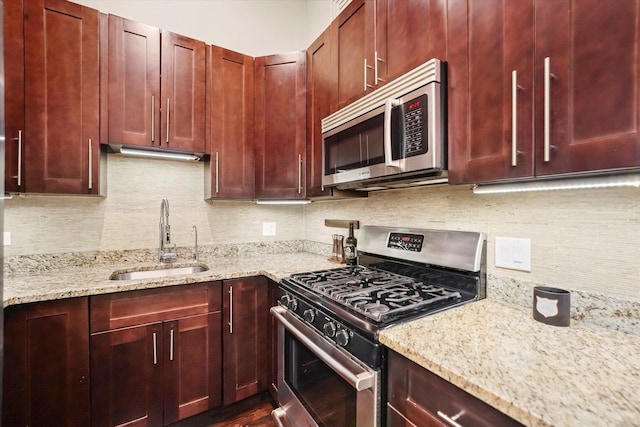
[(552, 306)]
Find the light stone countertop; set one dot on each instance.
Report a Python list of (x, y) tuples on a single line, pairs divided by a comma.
[(93, 279), (538, 374)]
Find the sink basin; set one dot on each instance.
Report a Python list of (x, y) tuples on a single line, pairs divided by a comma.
[(158, 272)]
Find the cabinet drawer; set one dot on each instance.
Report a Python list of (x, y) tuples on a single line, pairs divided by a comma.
[(422, 396), (124, 309)]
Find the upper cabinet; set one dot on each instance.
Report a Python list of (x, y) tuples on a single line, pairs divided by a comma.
[(280, 125), (145, 109), (14, 96), (321, 102), (230, 173), (59, 139), (551, 96), (379, 40)]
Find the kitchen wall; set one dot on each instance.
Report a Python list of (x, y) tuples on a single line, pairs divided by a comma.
[(252, 27), (582, 239), (128, 217)]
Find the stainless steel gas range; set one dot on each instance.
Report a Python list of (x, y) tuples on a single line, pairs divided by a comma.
[(331, 365)]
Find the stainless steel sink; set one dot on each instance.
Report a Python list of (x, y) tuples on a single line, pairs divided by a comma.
[(158, 272)]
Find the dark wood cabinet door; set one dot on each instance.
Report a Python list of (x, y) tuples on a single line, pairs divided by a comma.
[(126, 377), (182, 123), (321, 101), (46, 364), (231, 169), (408, 33), (594, 107), (14, 179), (355, 37), (420, 396), (245, 338), (192, 366), (489, 40), (134, 83), (280, 126), (61, 97)]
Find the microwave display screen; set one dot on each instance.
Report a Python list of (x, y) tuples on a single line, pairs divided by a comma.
[(410, 138)]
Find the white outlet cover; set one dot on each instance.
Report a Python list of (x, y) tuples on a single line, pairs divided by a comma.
[(7, 238), (268, 228), (513, 253)]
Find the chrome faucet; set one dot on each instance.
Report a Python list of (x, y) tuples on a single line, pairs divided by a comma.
[(194, 231), (164, 253)]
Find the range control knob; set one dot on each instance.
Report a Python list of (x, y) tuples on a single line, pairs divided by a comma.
[(342, 337), (329, 329), (289, 301), (284, 299), (309, 315)]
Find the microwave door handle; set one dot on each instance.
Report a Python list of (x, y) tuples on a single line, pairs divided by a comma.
[(388, 158)]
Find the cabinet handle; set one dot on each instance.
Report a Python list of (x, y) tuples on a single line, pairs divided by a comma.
[(366, 66), (453, 419), (171, 345), (547, 107), (90, 165), (514, 118), (299, 173), (155, 349), (153, 117), (375, 68), (217, 172), (230, 309), (167, 139), (19, 139)]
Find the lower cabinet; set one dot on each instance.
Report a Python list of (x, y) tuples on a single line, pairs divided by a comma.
[(155, 355), (246, 350), (46, 364), (417, 397)]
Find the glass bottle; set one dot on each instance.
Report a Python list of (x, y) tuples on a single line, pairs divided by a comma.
[(350, 248)]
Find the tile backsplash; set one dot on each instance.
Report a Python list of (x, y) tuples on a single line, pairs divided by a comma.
[(586, 240)]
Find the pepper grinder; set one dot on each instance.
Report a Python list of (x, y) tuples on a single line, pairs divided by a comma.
[(340, 246)]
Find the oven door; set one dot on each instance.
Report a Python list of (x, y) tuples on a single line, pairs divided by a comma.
[(320, 384)]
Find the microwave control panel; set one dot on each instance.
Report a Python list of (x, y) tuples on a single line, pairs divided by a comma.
[(414, 126)]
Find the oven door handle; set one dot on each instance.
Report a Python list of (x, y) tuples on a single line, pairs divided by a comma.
[(357, 375)]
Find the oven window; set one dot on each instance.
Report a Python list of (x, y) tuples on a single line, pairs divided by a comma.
[(328, 398)]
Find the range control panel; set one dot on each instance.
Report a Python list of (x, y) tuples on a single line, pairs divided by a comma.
[(406, 241)]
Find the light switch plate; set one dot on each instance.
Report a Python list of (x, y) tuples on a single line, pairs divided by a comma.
[(513, 253), (268, 228), (7, 238)]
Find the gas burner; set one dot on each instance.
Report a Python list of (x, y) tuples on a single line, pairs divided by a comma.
[(376, 294)]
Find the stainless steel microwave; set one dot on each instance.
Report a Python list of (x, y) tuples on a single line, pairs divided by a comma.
[(391, 137)]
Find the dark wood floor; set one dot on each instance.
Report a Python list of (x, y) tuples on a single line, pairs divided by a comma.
[(251, 412)]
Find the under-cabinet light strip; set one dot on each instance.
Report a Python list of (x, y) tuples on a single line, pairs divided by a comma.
[(283, 202), (158, 154), (577, 183)]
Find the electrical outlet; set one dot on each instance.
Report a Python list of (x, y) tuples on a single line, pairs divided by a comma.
[(7, 238), (268, 228), (513, 253)]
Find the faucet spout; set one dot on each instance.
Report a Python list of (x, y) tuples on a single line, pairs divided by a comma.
[(165, 254), (194, 230)]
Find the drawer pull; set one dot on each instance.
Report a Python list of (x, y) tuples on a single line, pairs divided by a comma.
[(452, 421), (171, 345), (155, 349)]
